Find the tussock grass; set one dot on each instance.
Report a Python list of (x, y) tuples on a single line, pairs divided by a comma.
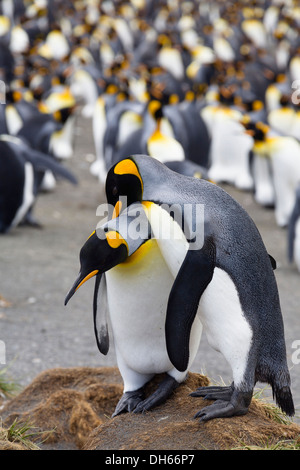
[(23, 433), (8, 387), (281, 445)]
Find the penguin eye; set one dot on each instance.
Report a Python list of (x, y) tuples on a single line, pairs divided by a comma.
[(115, 191)]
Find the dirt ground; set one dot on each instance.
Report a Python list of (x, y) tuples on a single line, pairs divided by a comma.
[(71, 409), (38, 266)]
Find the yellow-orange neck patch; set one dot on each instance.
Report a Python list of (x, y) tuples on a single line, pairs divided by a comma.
[(114, 239), (117, 210)]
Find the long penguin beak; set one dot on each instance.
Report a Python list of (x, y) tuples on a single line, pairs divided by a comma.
[(81, 279)]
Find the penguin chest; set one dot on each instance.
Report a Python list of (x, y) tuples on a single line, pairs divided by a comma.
[(61, 141), (263, 182), (138, 292)]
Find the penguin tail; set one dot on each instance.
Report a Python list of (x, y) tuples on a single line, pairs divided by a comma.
[(283, 396)]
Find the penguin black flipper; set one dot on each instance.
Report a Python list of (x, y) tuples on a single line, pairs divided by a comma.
[(273, 262), (42, 162), (100, 323), (192, 279)]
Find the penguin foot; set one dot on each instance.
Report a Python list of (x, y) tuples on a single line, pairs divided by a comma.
[(214, 393), (30, 221), (129, 401), (160, 395), (237, 406)]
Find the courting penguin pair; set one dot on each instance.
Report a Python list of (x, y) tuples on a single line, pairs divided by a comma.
[(159, 291)]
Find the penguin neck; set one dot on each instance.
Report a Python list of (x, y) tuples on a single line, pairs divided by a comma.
[(158, 137), (157, 132)]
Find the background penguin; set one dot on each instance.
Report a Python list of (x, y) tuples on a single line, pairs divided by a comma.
[(17, 111), (85, 85), (7, 63), (22, 172), (50, 129), (124, 120), (284, 154), (161, 143), (132, 287), (230, 146), (212, 281), (16, 188), (261, 167), (293, 234), (276, 170), (198, 147)]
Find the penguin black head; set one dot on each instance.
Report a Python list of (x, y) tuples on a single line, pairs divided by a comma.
[(101, 252), (260, 131), (124, 179), (257, 130)]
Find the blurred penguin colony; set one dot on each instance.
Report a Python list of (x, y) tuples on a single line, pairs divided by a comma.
[(210, 88)]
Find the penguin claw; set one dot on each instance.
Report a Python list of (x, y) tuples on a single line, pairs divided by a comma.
[(237, 406), (30, 221), (214, 393), (160, 395), (220, 409), (128, 402)]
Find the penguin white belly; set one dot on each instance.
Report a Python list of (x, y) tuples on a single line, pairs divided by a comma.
[(138, 292), (13, 120), (295, 68), (230, 151), (48, 182), (165, 148), (171, 60), (286, 175), (28, 196), (130, 122), (61, 141), (263, 183), (223, 320), (281, 120)]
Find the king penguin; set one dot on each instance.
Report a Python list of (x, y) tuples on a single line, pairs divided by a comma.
[(226, 279), (22, 171), (294, 232), (132, 287)]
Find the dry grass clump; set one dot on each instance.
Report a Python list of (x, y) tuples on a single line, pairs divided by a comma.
[(72, 408)]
